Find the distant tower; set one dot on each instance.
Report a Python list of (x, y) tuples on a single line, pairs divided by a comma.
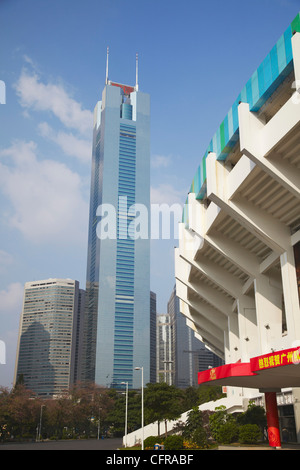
[(49, 340), (152, 337), (117, 327)]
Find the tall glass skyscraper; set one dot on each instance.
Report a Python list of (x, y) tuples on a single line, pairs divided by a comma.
[(117, 326)]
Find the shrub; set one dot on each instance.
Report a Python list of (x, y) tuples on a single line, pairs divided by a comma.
[(223, 426), (173, 442), (254, 415), (199, 437), (228, 432), (150, 441), (189, 445), (194, 421), (249, 434)]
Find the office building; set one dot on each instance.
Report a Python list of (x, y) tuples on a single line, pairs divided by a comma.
[(117, 326), (164, 358), (237, 264), (49, 342), (152, 337)]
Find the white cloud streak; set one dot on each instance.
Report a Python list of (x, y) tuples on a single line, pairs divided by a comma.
[(160, 161), (11, 299), (46, 196), (167, 194), (68, 142), (34, 94)]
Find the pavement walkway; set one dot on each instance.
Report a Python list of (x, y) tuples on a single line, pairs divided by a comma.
[(79, 444), (263, 447)]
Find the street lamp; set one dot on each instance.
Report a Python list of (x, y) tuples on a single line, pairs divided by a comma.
[(142, 369), (126, 411)]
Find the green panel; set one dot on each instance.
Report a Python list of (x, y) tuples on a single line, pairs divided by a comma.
[(296, 24), (222, 134), (203, 169)]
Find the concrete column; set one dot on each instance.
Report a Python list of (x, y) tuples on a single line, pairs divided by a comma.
[(233, 354), (268, 301), (257, 221), (290, 293), (248, 330)]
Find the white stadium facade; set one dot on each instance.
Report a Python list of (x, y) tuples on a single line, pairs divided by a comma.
[(238, 260)]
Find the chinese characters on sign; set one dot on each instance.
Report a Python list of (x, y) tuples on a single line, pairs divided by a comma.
[(276, 359)]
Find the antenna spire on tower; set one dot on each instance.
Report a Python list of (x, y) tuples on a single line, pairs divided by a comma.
[(106, 77), (136, 71)]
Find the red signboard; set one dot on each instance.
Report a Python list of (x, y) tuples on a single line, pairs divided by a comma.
[(126, 89), (237, 369), (267, 361), (276, 359)]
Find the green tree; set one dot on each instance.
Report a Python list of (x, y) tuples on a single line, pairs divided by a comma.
[(208, 393), (222, 424), (249, 434), (190, 398), (194, 396), (5, 420), (253, 415), (23, 413), (116, 417), (163, 402), (193, 422), (228, 432), (194, 429)]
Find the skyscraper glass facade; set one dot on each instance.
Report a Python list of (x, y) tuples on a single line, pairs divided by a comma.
[(48, 344), (117, 326)]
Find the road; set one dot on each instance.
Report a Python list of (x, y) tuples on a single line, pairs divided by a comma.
[(85, 444)]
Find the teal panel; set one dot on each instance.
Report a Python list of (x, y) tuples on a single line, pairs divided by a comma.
[(230, 123), (281, 54), (274, 63), (255, 87), (261, 79), (262, 84), (226, 131), (249, 93), (288, 44), (267, 72)]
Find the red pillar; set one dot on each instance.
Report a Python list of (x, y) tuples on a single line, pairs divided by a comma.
[(272, 419)]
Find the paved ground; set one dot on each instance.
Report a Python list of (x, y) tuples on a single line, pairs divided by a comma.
[(266, 447), (88, 444), (111, 444)]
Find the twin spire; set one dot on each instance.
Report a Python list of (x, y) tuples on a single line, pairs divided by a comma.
[(136, 69)]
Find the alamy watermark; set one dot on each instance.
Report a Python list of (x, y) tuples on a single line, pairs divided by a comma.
[(2, 352), (2, 101), (2, 92), (135, 222)]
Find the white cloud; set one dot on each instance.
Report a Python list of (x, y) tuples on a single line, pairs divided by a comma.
[(11, 299), (160, 161), (167, 194), (45, 196), (69, 143), (6, 259), (54, 98)]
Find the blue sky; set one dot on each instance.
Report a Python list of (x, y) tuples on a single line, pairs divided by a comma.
[(194, 58)]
